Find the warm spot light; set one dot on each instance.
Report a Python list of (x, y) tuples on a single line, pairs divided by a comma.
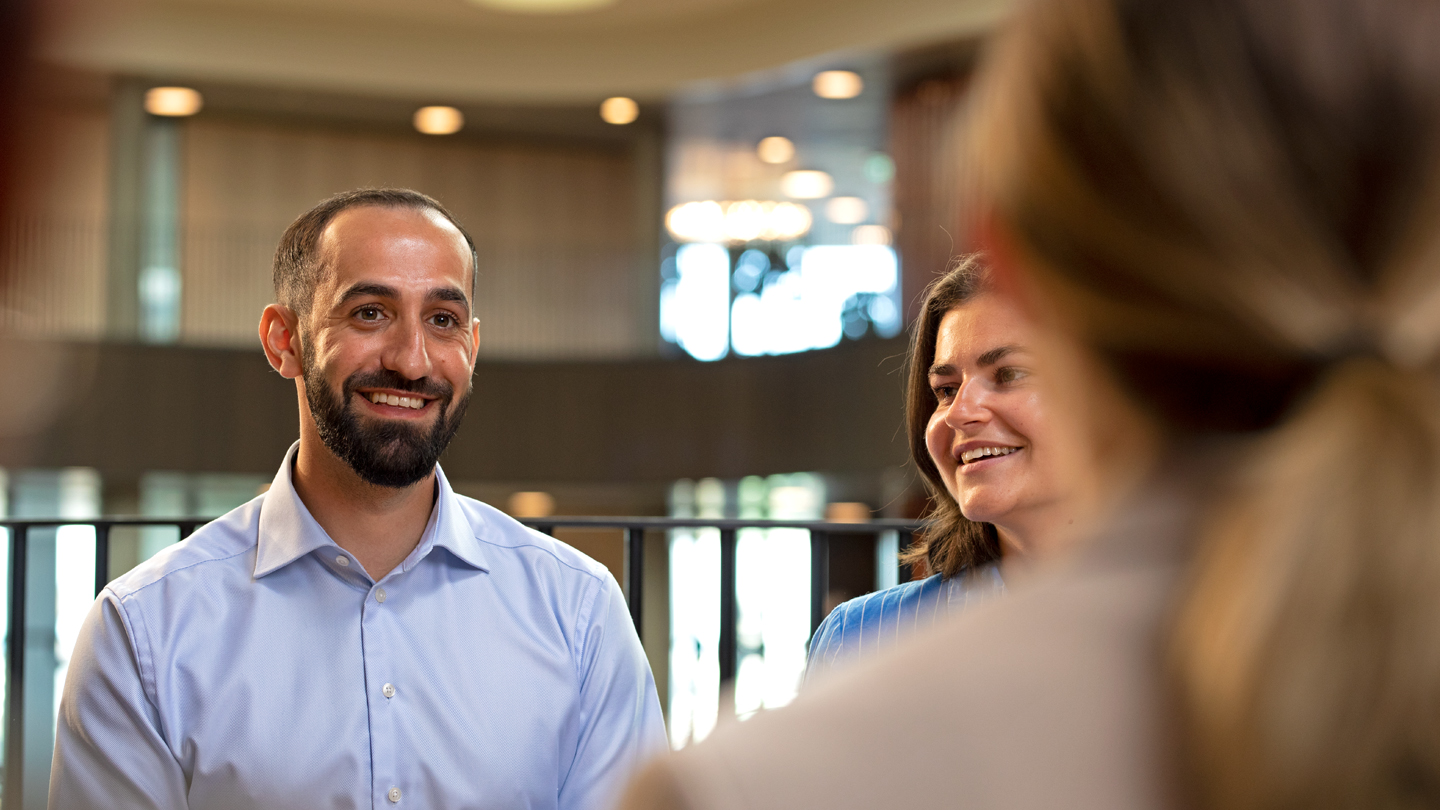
[(871, 235), (531, 505), (173, 102), (619, 110), (775, 149), (847, 210), (738, 221), (439, 120), (543, 6), (847, 512), (806, 185), (838, 84)]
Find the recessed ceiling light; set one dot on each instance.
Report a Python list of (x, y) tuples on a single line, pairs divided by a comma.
[(439, 120), (847, 210), (871, 235), (775, 149), (543, 6), (838, 84), (619, 110), (806, 185), (173, 102)]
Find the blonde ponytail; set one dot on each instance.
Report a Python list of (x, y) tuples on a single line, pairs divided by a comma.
[(1307, 654), (1224, 196)]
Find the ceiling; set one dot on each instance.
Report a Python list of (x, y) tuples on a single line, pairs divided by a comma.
[(453, 51)]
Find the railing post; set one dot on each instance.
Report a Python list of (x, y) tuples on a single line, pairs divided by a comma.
[(635, 574), (102, 557), (728, 608), (186, 529), (15, 673), (819, 577)]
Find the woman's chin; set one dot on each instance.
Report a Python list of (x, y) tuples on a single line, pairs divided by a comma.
[(980, 510)]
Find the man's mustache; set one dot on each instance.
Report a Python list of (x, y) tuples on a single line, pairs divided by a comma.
[(385, 378)]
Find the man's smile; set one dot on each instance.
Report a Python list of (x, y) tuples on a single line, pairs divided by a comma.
[(396, 403)]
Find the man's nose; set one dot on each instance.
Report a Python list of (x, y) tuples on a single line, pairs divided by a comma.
[(406, 351)]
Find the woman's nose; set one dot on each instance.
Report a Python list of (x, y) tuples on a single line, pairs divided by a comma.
[(969, 405)]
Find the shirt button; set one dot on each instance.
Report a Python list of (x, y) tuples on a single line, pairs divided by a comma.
[(389, 690), (342, 561), (393, 795), (379, 594)]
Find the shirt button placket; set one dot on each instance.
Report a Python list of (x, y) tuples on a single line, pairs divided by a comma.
[(377, 628)]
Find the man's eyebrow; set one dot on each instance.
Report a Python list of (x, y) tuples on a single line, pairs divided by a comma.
[(364, 289), (368, 289), (449, 294), (993, 356)]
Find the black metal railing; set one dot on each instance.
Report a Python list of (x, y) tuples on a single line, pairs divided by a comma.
[(634, 529), (820, 533)]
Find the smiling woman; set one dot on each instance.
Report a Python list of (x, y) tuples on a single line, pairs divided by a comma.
[(1003, 482)]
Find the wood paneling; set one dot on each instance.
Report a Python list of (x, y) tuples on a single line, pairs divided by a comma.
[(554, 225)]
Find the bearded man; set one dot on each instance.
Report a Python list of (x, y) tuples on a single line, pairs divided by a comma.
[(360, 635)]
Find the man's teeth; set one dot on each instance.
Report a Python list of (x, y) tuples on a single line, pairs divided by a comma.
[(981, 452), (402, 402)]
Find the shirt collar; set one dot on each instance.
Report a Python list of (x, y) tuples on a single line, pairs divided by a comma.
[(288, 531)]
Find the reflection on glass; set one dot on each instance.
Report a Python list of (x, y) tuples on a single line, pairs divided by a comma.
[(772, 598), (700, 302), (694, 613), (772, 591)]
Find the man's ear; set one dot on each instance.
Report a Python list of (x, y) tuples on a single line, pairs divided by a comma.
[(474, 343), (280, 336)]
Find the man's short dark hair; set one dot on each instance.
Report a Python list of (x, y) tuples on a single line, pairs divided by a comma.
[(297, 269)]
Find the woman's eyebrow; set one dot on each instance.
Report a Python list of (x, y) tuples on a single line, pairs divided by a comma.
[(941, 370), (993, 356)]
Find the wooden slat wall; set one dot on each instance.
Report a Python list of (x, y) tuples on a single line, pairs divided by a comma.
[(555, 227), (925, 140), (52, 242)]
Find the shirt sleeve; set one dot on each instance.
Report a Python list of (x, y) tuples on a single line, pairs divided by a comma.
[(621, 727), (109, 751)]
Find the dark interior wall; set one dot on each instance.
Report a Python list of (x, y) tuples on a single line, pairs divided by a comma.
[(125, 409)]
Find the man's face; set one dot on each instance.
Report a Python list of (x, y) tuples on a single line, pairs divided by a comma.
[(389, 344)]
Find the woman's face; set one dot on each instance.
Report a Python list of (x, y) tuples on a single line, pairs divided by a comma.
[(998, 451)]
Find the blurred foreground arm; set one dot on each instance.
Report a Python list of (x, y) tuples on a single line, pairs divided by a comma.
[(656, 788)]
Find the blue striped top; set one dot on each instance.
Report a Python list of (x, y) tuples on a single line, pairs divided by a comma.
[(874, 622)]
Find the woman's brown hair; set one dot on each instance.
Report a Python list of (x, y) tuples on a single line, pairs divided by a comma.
[(950, 542), (1237, 205)]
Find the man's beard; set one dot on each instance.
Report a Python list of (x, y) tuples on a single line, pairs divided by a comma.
[(392, 453)]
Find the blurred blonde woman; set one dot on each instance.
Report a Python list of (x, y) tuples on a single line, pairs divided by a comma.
[(1227, 211)]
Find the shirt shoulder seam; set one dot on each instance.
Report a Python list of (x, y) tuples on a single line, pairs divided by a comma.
[(168, 574), (144, 653), (594, 575), (582, 621)]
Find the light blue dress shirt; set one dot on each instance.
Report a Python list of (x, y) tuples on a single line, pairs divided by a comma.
[(870, 624), (257, 665)]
